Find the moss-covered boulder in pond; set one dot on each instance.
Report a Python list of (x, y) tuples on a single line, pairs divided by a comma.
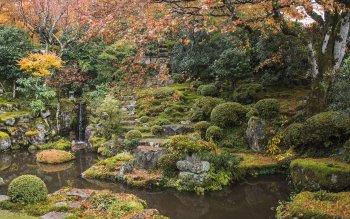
[(317, 205), (5, 141), (228, 114), (27, 189), (320, 174), (54, 156)]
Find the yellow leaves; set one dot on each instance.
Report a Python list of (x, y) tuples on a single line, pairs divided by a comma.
[(40, 64), (274, 145)]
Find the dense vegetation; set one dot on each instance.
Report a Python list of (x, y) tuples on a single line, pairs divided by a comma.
[(192, 95)]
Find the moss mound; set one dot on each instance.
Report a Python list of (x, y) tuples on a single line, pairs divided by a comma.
[(133, 135), (268, 108), (54, 156), (323, 173), (27, 189), (320, 205)]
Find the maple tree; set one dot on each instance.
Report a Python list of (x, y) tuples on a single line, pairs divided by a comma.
[(323, 25), (40, 64)]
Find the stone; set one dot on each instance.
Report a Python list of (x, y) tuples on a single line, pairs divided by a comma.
[(10, 121), (45, 114), (81, 193), (197, 168), (2, 182), (126, 168), (70, 204), (79, 145), (5, 141), (187, 178), (255, 133), (42, 132), (55, 215), (4, 197), (170, 130), (147, 156), (320, 174)]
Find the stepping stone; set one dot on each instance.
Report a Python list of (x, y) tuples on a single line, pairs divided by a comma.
[(55, 215), (4, 197), (81, 193), (70, 204)]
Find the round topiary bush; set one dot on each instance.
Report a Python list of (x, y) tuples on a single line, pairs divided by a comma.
[(228, 114), (201, 127), (268, 108), (157, 130), (133, 135), (203, 106), (214, 133), (208, 90), (196, 84), (248, 93), (27, 189), (178, 77)]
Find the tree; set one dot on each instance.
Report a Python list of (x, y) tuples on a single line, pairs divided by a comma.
[(14, 44), (40, 64), (326, 36)]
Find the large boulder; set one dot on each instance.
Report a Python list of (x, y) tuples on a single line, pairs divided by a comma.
[(197, 168), (147, 156), (320, 174), (170, 130), (5, 141), (255, 133)]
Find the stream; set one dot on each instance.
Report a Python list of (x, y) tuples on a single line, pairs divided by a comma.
[(253, 199)]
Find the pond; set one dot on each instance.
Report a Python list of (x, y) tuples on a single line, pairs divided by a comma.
[(252, 199)]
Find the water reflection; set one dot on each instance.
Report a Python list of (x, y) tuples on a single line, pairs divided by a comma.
[(252, 199)]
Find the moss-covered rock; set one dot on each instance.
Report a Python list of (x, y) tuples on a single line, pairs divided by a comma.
[(317, 205), (255, 164), (323, 173), (5, 141), (54, 156), (228, 114), (27, 189)]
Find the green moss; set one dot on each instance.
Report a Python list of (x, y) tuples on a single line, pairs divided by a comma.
[(61, 144), (32, 133), (320, 205), (323, 173), (4, 135), (189, 144), (10, 215), (258, 164), (27, 189), (13, 115)]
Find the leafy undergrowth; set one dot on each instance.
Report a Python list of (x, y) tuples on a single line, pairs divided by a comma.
[(95, 204), (320, 205)]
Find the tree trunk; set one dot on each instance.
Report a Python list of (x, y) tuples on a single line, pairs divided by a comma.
[(14, 89), (58, 112)]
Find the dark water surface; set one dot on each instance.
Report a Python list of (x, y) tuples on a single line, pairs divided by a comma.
[(253, 199)]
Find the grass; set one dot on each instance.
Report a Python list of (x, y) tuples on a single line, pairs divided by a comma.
[(320, 205), (10, 215)]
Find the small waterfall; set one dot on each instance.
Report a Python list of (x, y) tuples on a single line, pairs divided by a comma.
[(81, 134)]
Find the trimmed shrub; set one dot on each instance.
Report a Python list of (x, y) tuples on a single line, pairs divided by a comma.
[(157, 130), (291, 135), (268, 108), (167, 164), (189, 144), (133, 135), (203, 106), (214, 133), (196, 84), (178, 78), (326, 129), (208, 90), (248, 93), (144, 119), (27, 189), (201, 127), (161, 121), (228, 114)]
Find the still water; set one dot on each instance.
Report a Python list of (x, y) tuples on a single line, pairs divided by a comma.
[(252, 199)]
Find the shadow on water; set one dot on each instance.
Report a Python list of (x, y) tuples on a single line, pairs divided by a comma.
[(252, 199)]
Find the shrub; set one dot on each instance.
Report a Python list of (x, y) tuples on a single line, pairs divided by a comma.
[(178, 78), (161, 121), (196, 84), (189, 144), (157, 93), (291, 135), (61, 144), (248, 93), (326, 129), (27, 189), (167, 164), (203, 106), (228, 114), (202, 127), (268, 108), (144, 119), (133, 135), (214, 133), (157, 130), (208, 90)]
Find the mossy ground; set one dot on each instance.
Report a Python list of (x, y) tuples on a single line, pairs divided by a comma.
[(320, 205), (13, 115), (54, 156), (10, 215)]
